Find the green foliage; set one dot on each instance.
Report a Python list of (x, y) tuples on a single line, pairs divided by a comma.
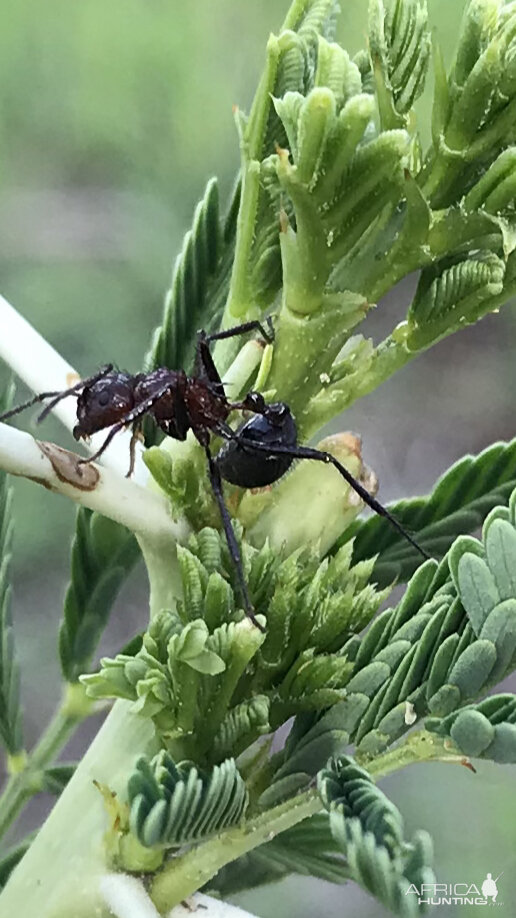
[(354, 203), (199, 284), (210, 679), (310, 743), (452, 636), (102, 554), (399, 44), (10, 711), (486, 730), (458, 504), (369, 829), (456, 296), (337, 201), (477, 103), (171, 804)]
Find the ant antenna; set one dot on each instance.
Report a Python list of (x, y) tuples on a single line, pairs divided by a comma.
[(55, 396)]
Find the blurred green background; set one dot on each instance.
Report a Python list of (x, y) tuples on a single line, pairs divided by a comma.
[(112, 117)]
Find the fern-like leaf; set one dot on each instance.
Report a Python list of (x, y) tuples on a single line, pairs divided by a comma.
[(190, 303), (103, 552), (310, 743), (459, 503), (451, 297), (171, 804), (369, 829), (399, 43), (451, 638)]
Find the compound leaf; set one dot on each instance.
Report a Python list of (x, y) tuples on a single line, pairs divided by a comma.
[(459, 503), (171, 804), (103, 553), (369, 830)]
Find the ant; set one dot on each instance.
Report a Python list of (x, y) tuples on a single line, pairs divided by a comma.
[(258, 453)]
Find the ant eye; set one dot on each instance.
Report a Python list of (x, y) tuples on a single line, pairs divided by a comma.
[(103, 399)]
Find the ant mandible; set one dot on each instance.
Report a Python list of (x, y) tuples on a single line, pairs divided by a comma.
[(258, 453)]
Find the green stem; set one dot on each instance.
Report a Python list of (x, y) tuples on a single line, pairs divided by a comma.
[(419, 747), (59, 875), (184, 875), (22, 785)]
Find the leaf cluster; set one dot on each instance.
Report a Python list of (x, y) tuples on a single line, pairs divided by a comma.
[(369, 830), (352, 203), (172, 805), (210, 680)]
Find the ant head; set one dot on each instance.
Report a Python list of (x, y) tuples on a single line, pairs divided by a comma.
[(254, 401), (103, 403)]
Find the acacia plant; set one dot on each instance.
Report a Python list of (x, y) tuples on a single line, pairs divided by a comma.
[(184, 788)]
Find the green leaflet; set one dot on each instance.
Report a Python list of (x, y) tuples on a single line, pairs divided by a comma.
[(459, 295), (369, 830), (103, 553), (459, 503), (399, 45), (478, 116), (291, 66), (452, 636), (486, 730), (171, 804), (10, 711), (241, 725)]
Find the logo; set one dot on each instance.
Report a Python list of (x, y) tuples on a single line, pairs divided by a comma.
[(457, 893)]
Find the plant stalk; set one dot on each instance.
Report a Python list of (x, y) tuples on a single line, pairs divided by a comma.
[(74, 708)]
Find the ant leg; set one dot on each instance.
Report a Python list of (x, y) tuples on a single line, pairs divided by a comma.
[(204, 365), (89, 381), (306, 452), (132, 448), (112, 433), (253, 325), (234, 550)]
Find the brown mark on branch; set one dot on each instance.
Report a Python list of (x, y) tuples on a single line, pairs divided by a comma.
[(67, 468)]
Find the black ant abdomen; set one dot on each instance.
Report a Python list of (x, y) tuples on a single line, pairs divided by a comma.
[(248, 468)]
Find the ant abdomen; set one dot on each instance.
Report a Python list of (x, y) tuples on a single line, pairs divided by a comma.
[(252, 469)]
